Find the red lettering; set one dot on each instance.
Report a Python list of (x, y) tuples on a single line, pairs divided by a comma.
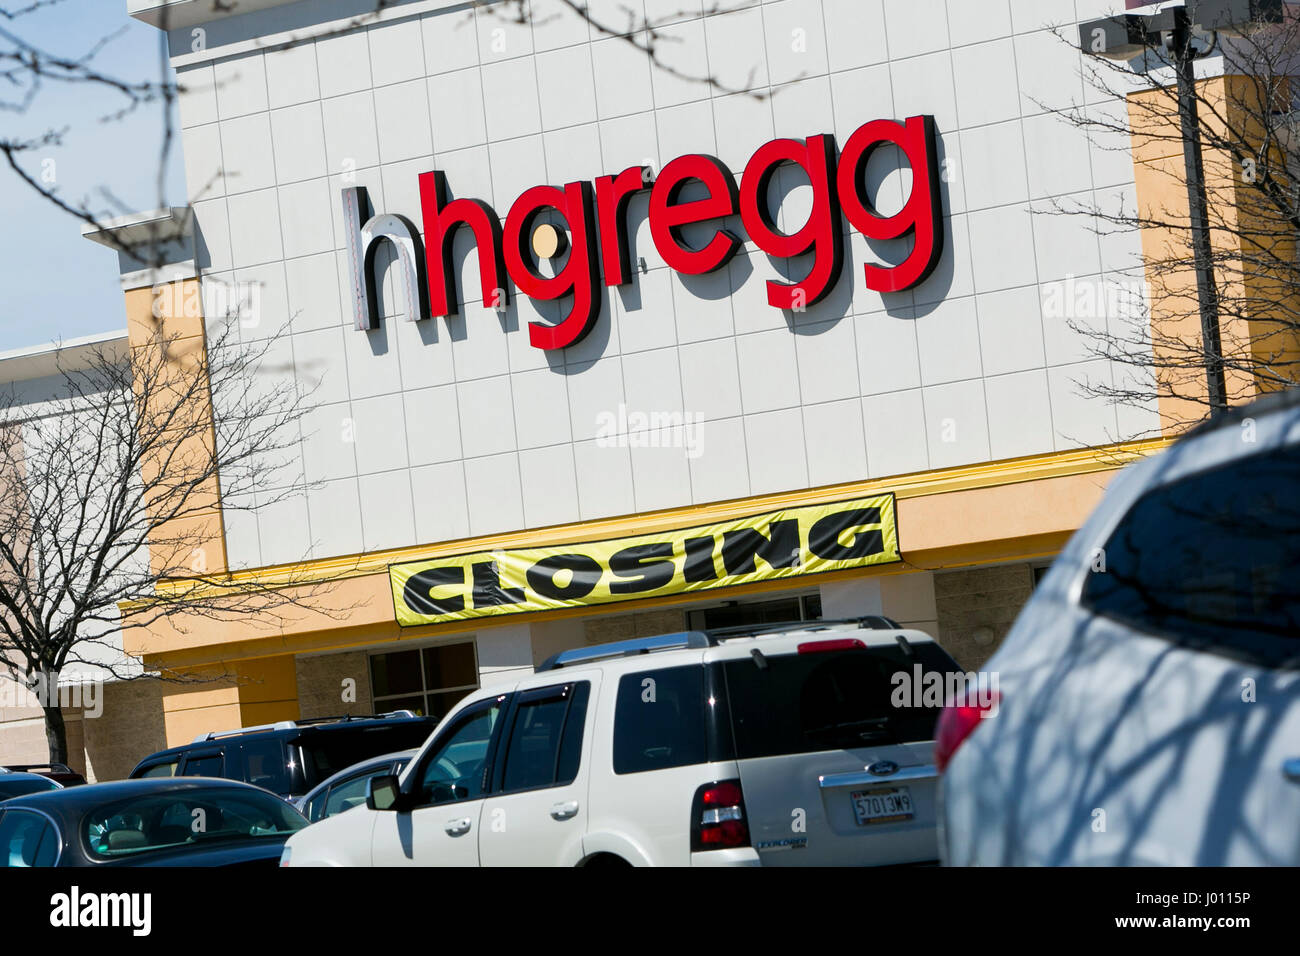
[(440, 220), (667, 215), (579, 276), (822, 233), (595, 216), (921, 215), (613, 194)]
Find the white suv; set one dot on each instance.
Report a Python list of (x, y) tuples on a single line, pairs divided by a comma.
[(777, 745), (1149, 708)]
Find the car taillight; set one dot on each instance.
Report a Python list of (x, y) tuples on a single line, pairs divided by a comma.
[(836, 644), (956, 722), (718, 817)]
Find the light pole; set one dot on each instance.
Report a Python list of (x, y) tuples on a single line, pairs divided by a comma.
[(1173, 27), (1178, 43)]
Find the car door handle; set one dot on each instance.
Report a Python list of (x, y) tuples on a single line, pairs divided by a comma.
[(457, 827), (1291, 769), (562, 811)]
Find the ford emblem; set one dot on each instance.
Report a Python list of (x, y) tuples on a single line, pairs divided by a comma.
[(883, 768)]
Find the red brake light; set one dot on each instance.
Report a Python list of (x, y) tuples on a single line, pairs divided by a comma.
[(837, 644), (718, 817), (956, 722), (725, 794)]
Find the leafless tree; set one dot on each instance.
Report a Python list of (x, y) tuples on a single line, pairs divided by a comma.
[(1250, 137), (114, 484), (112, 492)]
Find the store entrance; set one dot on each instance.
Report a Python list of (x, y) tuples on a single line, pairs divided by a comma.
[(799, 607)]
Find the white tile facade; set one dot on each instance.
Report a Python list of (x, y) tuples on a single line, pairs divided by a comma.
[(437, 430)]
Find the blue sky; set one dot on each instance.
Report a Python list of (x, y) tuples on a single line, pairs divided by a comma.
[(57, 284)]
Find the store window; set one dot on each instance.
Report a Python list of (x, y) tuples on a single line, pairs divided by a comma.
[(805, 607), (427, 681)]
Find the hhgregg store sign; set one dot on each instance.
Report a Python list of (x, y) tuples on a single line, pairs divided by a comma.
[(596, 232)]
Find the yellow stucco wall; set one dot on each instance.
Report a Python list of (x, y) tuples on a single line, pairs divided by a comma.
[(1249, 325)]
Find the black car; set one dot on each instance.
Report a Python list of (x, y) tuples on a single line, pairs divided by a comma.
[(16, 784), (147, 823), (60, 773), (291, 757)]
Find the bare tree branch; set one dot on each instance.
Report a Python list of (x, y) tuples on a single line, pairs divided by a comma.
[(1250, 136)]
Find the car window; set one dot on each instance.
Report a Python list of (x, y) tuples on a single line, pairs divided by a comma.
[(177, 814), (265, 765), (660, 720), (571, 737), (314, 809), (26, 839), (150, 822), (167, 769), (25, 784), (205, 765), (349, 793), (454, 770), (1210, 560), (546, 737), (836, 700)]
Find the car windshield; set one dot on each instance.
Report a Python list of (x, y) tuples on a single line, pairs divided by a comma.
[(9, 787), (327, 752), (180, 818)]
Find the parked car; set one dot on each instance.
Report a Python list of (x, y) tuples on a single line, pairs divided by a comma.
[(193, 822), (16, 784), (776, 745), (59, 772), (289, 758), (1149, 708), (347, 788)]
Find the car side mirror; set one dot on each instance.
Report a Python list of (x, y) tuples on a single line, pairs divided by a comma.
[(383, 793)]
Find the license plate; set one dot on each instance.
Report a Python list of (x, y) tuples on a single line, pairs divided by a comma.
[(882, 805)]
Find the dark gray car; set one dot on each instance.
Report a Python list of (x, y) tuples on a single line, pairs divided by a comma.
[(17, 784), (164, 822)]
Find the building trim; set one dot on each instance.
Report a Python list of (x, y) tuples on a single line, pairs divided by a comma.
[(921, 484), (68, 355), (261, 24)]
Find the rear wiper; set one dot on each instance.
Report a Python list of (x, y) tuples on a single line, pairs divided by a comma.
[(880, 724)]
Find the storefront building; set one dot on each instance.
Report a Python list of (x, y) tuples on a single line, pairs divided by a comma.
[(601, 347)]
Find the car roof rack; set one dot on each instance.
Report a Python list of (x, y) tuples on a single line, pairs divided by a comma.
[(349, 718), (293, 724), (873, 622), (637, 645), (218, 734), (704, 639)]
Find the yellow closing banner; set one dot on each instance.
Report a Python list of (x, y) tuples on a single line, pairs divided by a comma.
[(780, 544)]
